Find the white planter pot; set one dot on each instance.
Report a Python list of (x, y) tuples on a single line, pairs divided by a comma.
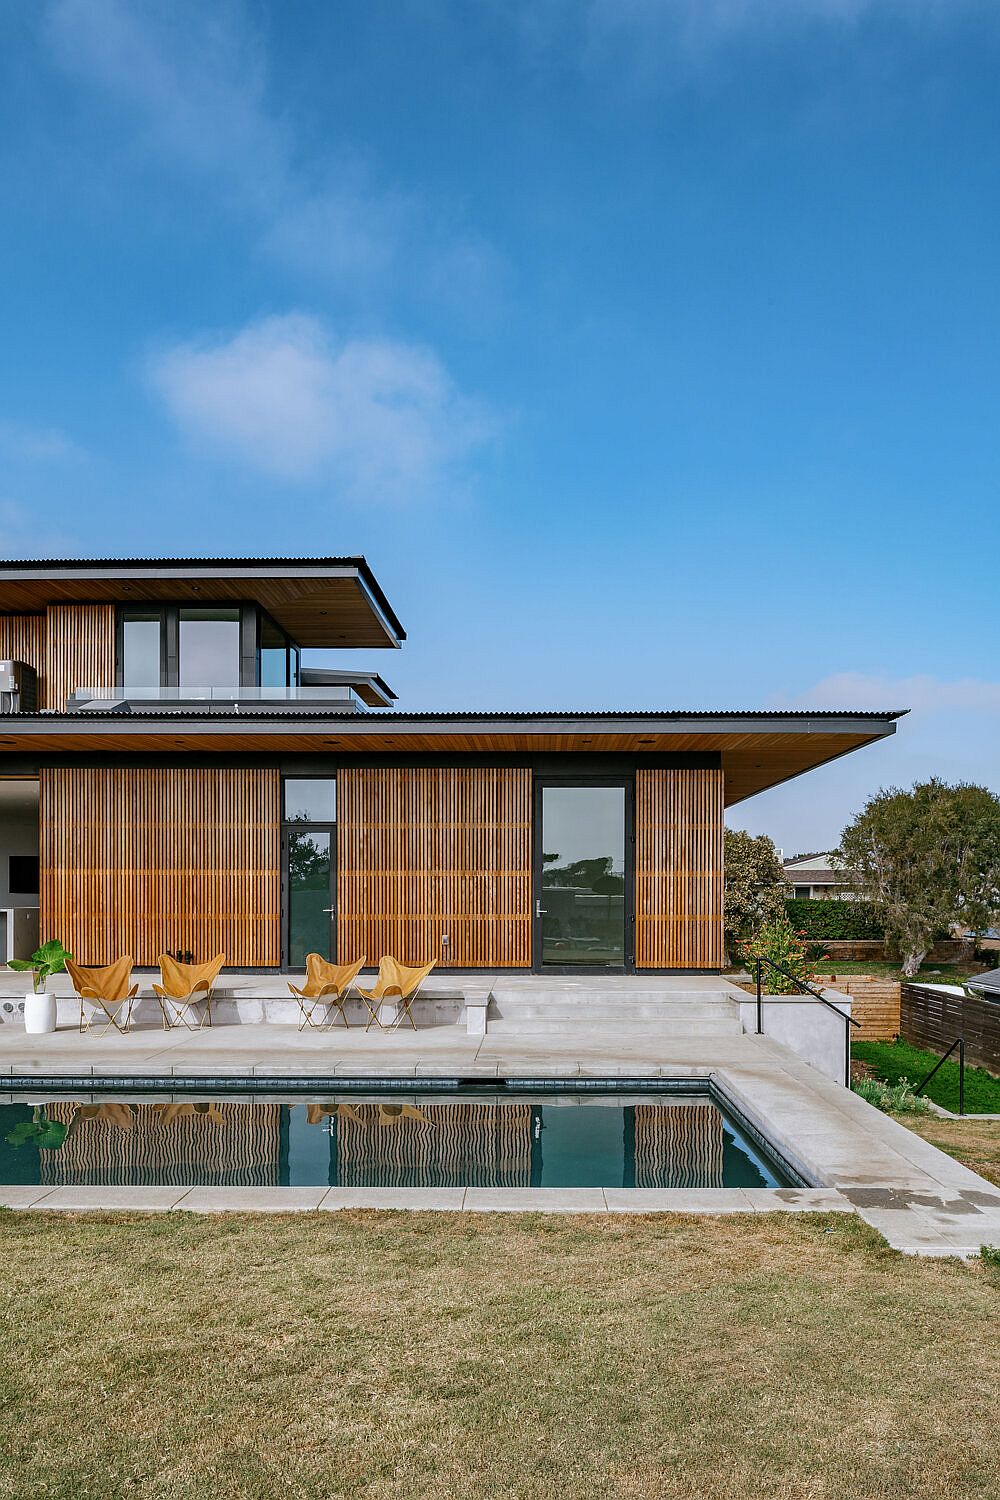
[(40, 1012)]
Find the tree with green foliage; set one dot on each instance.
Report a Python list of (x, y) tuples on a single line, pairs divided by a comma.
[(927, 859), (756, 887)]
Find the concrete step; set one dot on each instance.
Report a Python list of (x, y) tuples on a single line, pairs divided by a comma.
[(546, 1026), (636, 1010)]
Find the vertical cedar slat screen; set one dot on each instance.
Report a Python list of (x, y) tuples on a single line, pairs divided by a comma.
[(143, 861), (79, 650), (22, 638), (423, 853), (679, 869)]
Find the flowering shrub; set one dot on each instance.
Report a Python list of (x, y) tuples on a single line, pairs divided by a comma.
[(782, 944)]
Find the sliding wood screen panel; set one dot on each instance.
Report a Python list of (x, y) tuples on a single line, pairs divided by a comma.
[(679, 869), (424, 854), (79, 650), (145, 861)]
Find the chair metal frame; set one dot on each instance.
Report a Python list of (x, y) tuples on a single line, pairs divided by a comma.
[(201, 990), (392, 984), (328, 986), (89, 984)]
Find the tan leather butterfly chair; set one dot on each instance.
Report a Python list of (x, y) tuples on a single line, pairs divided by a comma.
[(395, 982), (326, 990), (183, 987), (107, 990)]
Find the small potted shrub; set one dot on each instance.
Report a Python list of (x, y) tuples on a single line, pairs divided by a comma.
[(40, 1005)]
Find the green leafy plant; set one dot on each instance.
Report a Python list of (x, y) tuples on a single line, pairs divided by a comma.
[(756, 886), (40, 1131), (892, 1098), (779, 942), (47, 960), (990, 1254), (834, 920), (927, 860)]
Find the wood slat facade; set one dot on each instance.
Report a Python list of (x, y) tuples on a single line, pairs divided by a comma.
[(79, 649), (424, 853), (679, 869), (22, 638), (146, 861)]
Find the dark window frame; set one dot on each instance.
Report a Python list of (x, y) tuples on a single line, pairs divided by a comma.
[(297, 825), (539, 782)]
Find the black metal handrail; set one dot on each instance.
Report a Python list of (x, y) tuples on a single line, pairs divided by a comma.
[(806, 989), (959, 1042)]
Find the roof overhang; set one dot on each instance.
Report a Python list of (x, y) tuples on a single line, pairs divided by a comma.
[(330, 602), (757, 750)]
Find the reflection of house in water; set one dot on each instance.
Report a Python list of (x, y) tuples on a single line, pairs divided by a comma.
[(430, 1145), (474, 1143), (170, 1144), (678, 1145)]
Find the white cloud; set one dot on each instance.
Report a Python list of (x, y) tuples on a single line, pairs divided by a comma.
[(921, 694), (951, 731), (380, 421), (21, 442), (193, 78), (654, 36)]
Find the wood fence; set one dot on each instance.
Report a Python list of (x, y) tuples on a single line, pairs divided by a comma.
[(933, 1018)]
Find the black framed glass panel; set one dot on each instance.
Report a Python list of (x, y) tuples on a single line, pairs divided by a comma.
[(142, 650), (581, 910), (309, 880), (209, 650), (311, 800), (310, 868), (273, 654)]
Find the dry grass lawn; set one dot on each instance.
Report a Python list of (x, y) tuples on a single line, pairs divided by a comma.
[(432, 1355), (974, 1142)]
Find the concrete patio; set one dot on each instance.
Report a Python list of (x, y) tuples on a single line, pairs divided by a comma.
[(857, 1159)]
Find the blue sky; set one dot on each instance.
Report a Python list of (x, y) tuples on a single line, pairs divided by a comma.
[(648, 348)]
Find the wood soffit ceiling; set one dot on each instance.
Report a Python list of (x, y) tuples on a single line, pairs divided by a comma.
[(331, 602), (753, 759)]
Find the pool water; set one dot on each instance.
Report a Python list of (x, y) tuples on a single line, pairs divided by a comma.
[(386, 1138)]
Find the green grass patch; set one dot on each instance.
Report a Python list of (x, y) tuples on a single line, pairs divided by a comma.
[(895, 1061), (381, 1356)]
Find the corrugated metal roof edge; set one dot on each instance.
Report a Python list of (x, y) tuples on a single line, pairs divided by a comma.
[(480, 716)]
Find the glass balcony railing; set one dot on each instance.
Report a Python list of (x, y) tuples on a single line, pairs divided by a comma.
[(337, 698)]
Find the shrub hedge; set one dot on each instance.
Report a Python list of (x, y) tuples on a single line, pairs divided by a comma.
[(833, 920)]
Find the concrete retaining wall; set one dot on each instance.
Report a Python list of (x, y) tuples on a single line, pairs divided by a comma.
[(805, 1027)]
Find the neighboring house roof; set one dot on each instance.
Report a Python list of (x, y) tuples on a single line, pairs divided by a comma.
[(989, 981), (816, 869)]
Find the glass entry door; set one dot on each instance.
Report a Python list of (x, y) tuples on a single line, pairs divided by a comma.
[(309, 877), (582, 876)]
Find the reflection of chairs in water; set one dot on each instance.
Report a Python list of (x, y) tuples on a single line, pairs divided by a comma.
[(678, 1145), (430, 1145), (165, 1143)]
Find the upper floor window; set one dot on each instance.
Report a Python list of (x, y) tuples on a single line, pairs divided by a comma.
[(142, 649), (208, 650)]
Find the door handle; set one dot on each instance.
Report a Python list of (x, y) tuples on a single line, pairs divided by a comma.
[(540, 910), (329, 908)]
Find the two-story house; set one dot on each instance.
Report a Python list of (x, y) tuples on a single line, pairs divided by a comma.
[(183, 780)]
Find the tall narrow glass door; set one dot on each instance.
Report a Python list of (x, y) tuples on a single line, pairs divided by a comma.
[(310, 868), (581, 907)]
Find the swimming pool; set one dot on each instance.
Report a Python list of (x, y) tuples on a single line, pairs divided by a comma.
[(533, 1135)]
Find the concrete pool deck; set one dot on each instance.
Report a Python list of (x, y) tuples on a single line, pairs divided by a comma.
[(858, 1159)]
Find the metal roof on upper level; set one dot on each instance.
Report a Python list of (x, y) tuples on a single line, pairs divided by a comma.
[(331, 602)]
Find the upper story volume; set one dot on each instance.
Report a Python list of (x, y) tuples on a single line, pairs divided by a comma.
[(177, 631)]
